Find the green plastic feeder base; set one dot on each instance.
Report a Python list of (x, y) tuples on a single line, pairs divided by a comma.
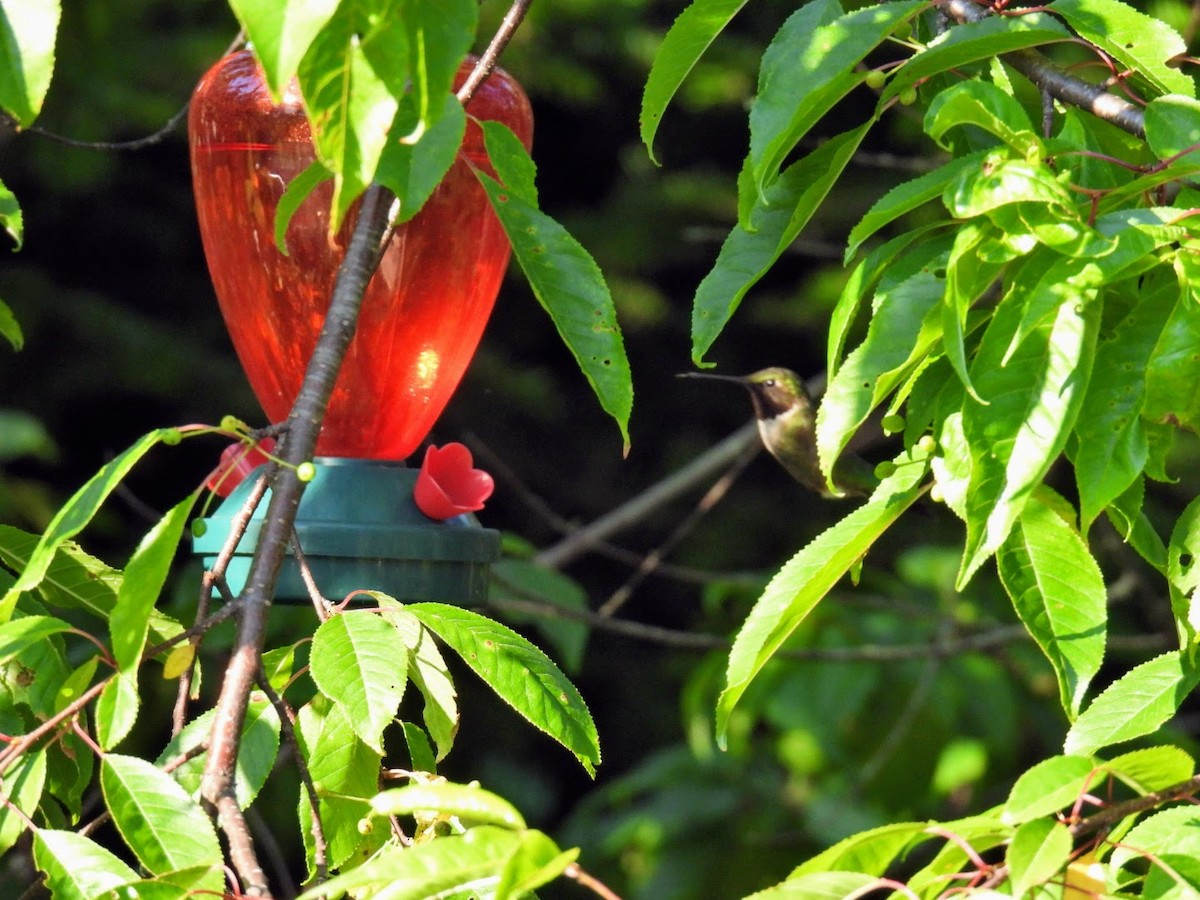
[(360, 529)]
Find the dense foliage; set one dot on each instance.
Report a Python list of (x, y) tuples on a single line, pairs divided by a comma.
[(1015, 338)]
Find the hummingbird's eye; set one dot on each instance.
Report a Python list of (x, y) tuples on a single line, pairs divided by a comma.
[(770, 382)]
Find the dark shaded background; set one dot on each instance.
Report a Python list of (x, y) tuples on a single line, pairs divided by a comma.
[(123, 335)]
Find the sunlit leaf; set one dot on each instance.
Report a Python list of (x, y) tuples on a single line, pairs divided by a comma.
[(360, 662), (21, 793), (473, 805), (258, 749), (1135, 40), (777, 218), (983, 105), (568, 284), (439, 868), (871, 851), (1049, 786), (1169, 840), (808, 67), (429, 673), (520, 674), (281, 32), (145, 575), (1173, 371), (1038, 852), (27, 33), (10, 329), (1033, 400), (1136, 704), (1173, 126), (685, 42), (13, 223), (974, 41), (1059, 593), (162, 825), (117, 708), (1152, 768), (74, 516), (76, 867), (809, 575)]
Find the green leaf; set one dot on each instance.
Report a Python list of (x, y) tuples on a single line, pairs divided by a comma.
[(1135, 527), (808, 576), (439, 868), (818, 886), (998, 181), (76, 580), (1112, 445), (1152, 768), (413, 171), (983, 105), (1170, 841), (26, 631), (1049, 786), (420, 751), (144, 578), (1183, 572), (258, 749), (10, 329), (1173, 372), (971, 42), (73, 517), (281, 32), (904, 327), (514, 167), (429, 673), (76, 867), (521, 674), (360, 663), (1136, 704), (1173, 127), (1135, 40), (1038, 852), (117, 708), (345, 771), (524, 580), (535, 862), (473, 805), (293, 197), (775, 221), (808, 67), (439, 35), (22, 790), (1033, 401), (1058, 591), (13, 223), (568, 284), (684, 43), (27, 32), (871, 851), (162, 825), (350, 91), (906, 197)]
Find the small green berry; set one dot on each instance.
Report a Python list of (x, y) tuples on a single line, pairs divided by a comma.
[(171, 436), (875, 79), (885, 470), (903, 30), (199, 528), (233, 423), (936, 494), (306, 471), (908, 96), (365, 826), (927, 444), (893, 423)]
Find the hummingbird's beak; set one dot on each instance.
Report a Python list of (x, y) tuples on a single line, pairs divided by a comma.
[(712, 376)]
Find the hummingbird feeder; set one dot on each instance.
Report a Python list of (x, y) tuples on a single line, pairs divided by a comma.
[(422, 316)]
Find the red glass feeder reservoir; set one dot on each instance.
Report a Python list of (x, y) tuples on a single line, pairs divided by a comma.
[(424, 310)]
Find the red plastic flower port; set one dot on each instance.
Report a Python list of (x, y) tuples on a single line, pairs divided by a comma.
[(448, 486), (237, 461)]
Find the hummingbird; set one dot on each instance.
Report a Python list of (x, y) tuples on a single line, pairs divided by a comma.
[(787, 425)]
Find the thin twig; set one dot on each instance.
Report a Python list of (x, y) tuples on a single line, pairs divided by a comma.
[(576, 872), (651, 561), (320, 603), (487, 61)]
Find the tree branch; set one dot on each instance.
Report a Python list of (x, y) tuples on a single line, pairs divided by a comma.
[(296, 447), (1057, 82)]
